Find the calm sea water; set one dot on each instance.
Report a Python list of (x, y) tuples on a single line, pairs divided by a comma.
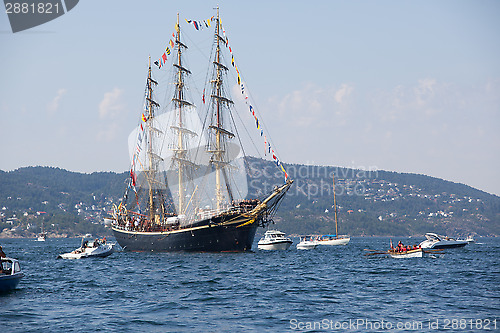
[(326, 289)]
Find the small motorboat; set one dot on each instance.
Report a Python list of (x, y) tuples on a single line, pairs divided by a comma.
[(307, 243), (10, 274), (42, 236), (97, 248), (435, 241), (274, 240), (470, 239)]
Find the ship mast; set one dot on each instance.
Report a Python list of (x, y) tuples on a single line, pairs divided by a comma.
[(335, 209), (220, 103), (180, 149), (218, 189), (150, 115)]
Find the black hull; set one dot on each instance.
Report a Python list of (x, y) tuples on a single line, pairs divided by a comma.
[(203, 237), (449, 246)]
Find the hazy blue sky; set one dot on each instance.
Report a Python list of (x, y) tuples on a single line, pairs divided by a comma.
[(407, 86)]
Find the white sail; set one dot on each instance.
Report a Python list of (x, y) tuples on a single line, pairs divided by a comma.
[(199, 182), (162, 127)]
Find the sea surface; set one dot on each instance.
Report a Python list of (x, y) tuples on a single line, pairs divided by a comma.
[(328, 289)]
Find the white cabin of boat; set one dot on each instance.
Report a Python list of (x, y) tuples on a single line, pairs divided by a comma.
[(274, 240)]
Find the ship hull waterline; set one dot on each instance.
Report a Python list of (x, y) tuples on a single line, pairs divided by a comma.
[(204, 237)]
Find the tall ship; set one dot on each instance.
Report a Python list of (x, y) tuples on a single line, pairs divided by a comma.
[(188, 187)]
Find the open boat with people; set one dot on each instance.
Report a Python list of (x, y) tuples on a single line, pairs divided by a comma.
[(274, 240), (188, 188), (10, 274), (307, 243), (334, 239), (435, 241), (402, 251), (394, 253), (412, 253), (96, 248)]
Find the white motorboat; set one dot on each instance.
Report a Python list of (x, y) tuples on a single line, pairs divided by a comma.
[(274, 240), (435, 241), (307, 243), (10, 274), (470, 239), (42, 236), (97, 248)]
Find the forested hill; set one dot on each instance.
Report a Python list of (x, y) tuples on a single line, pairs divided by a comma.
[(68, 203), (375, 202), (370, 202)]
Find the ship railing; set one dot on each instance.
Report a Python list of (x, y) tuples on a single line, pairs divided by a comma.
[(241, 207)]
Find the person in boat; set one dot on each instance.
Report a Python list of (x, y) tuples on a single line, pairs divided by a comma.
[(2, 255)]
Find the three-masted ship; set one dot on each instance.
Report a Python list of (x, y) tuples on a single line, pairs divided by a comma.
[(187, 189)]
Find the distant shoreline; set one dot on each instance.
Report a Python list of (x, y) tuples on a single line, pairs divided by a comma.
[(5, 235), (292, 235)]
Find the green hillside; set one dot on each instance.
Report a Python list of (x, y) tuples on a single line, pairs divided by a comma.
[(68, 203), (370, 202), (374, 202)]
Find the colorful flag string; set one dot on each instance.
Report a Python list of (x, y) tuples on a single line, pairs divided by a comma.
[(268, 148), (201, 24), (163, 59)]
